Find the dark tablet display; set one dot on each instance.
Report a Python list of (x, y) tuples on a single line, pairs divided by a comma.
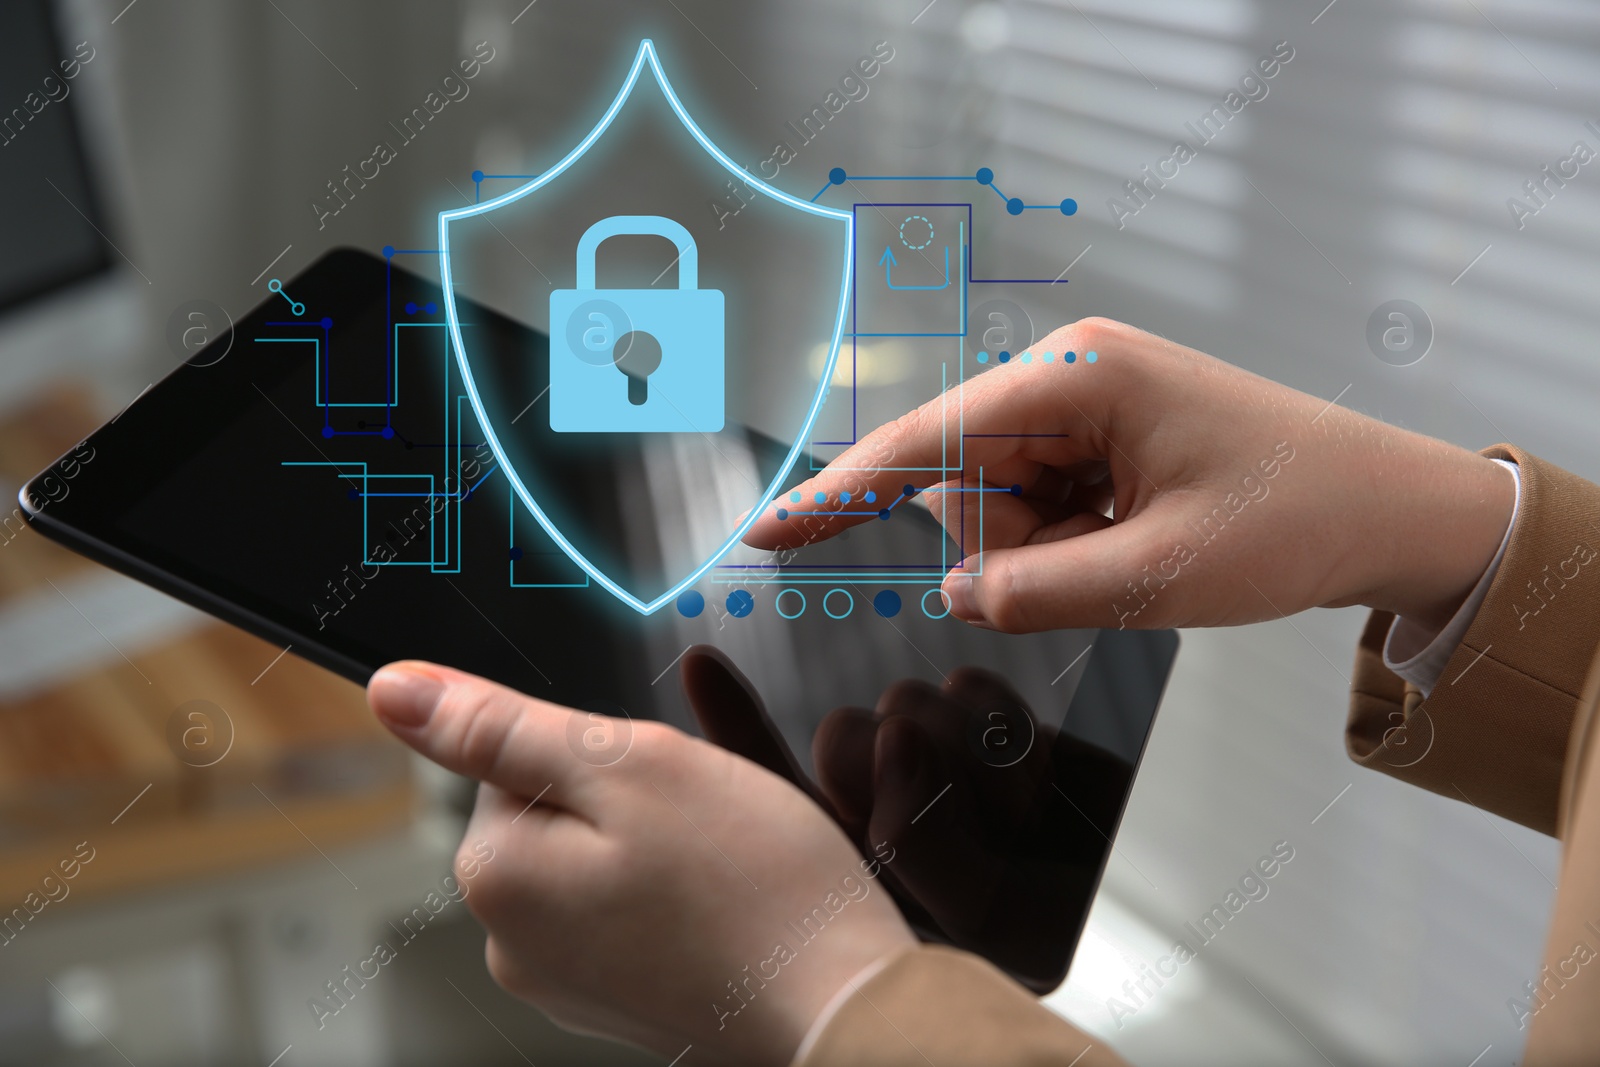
[(367, 533)]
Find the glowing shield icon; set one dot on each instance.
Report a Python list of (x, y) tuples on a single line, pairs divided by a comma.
[(639, 371)]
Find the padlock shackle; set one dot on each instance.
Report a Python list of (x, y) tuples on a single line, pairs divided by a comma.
[(628, 225)]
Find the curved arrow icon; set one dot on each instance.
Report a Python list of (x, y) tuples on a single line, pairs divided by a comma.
[(889, 262)]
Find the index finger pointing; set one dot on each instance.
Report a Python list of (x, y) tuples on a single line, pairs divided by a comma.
[(1032, 412)]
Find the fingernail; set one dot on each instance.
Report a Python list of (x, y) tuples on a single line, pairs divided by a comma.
[(404, 696), (963, 598)]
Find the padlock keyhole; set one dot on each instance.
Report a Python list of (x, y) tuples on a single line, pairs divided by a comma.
[(638, 357)]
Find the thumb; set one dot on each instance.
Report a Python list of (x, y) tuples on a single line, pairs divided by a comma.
[(476, 728), (1104, 578)]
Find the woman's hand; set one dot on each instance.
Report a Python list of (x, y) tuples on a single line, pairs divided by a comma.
[(666, 893), (1231, 499)]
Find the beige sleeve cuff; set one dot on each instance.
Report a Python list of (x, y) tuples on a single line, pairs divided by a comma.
[(1493, 733)]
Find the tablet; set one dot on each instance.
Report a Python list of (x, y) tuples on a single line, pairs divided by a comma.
[(315, 476)]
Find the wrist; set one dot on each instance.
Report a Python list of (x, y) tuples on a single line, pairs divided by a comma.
[(845, 991), (823, 981), (1441, 523)]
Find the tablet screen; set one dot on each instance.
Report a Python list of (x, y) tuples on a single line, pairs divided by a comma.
[(320, 479)]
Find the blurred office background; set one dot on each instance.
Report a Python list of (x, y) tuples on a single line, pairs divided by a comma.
[(1377, 167)]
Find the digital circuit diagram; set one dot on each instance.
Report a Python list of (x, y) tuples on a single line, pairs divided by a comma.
[(927, 283)]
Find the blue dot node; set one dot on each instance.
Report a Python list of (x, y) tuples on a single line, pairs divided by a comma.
[(327, 431), (909, 490), (1005, 357), (783, 513), (1014, 206), (887, 603), (1090, 357), (983, 357), (691, 604), (740, 603), (884, 514), (411, 307), (430, 308), (477, 175), (1069, 206), (844, 498), (985, 175), (1049, 357), (1071, 357), (388, 433), (871, 496), (794, 498), (354, 494), (516, 553), (388, 250), (821, 498), (1027, 357), (836, 176), (778, 603), (327, 323), (1016, 490)]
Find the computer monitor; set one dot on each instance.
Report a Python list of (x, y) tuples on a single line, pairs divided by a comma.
[(69, 302)]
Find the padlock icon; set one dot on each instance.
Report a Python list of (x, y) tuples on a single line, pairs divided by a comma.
[(637, 360)]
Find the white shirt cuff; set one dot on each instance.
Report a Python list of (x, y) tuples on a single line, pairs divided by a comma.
[(846, 991), (1419, 655)]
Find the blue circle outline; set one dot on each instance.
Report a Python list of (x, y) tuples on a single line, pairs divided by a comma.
[(908, 244), (777, 603), (848, 597)]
